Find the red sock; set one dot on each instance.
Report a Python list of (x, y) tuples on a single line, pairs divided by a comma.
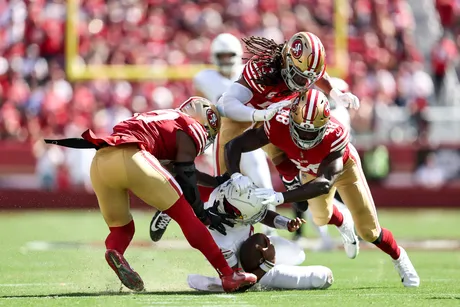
[(336, 218), (387, 243), (198, 236), (205, 192), (120, 237)]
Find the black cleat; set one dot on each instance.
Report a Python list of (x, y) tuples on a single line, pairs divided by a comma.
[(158, 225)]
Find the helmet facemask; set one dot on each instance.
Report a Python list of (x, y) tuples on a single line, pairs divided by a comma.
[(295, 79), (226, 62), (306, 137)]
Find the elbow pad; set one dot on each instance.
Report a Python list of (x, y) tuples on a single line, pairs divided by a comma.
[(232, 103), (186, 177)]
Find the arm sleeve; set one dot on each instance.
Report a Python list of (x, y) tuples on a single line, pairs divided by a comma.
[(186, 177), (232, 103)]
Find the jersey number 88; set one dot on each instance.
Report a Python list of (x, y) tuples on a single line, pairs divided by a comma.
[(283, 117)]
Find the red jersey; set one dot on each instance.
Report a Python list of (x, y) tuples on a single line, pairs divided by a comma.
[(336, 138), (155, 132), (264, 95)]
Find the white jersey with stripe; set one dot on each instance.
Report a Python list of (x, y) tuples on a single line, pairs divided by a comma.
[(212, 84)]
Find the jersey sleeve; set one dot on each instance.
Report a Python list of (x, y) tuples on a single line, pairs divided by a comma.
[(339, 138), (251, 73)]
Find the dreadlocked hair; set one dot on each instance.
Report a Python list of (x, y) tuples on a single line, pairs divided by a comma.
[(267, 54)]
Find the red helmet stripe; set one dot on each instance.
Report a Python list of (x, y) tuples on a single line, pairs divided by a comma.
[(316, 51), (310, 107)]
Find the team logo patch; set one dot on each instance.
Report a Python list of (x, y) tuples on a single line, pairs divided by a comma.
[(327, 111), (297, 48), (212, 118), (232, 210)]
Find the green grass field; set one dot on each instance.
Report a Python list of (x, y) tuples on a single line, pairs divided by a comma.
[(72, 271)]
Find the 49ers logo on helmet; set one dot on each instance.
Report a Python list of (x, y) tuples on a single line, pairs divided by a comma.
[(297, 48), (212, 118), (327, 110)]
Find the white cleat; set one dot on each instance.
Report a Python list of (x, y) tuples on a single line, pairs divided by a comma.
[(349, 237), (406, 270)]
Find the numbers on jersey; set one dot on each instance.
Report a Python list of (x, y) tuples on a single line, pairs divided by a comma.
[(306, 168), (159, 115), (331, 126), (283, 117)]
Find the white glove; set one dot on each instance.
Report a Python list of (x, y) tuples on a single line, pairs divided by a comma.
[(270, 197), (279, 105), (240, 182), (345, 99), (263, 115)]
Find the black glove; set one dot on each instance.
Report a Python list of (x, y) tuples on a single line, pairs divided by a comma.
[(291, 185), (222, 178), (215, 220)]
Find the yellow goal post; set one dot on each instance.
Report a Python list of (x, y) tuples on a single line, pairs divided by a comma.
[(77, 71)]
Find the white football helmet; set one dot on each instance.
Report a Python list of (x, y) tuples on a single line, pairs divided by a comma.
[(226, 44), (246, 208)]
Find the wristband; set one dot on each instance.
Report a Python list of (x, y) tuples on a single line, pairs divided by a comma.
[(281, 222), (266, 266)]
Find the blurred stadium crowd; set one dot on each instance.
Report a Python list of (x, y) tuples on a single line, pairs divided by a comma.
[(36, 100)]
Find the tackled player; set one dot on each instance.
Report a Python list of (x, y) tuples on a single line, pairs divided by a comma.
[(132, 158), (318, 144), (273, 259), (226, 53)]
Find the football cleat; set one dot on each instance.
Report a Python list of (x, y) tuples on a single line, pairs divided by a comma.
[(349, 237), (158, 225), (406, 270), (238, 281), (125, 273)]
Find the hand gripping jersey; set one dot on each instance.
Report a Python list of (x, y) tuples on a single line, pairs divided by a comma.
[(154, 132), (336, 138), (264, 95)]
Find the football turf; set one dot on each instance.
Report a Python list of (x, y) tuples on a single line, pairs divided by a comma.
[(57, 259)]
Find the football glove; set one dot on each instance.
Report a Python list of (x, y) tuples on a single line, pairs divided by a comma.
[(345, 99), (240, 182), (216, 220), (269, 197)]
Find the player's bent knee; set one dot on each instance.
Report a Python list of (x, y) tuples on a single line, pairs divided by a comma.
[(321, 220), (368, 234)]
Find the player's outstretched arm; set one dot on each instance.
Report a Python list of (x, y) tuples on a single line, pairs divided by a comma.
[(328, 172), (278, 221), (345, 99), (248, 141)]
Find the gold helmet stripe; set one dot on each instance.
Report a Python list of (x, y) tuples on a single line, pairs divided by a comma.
[(311, 103)]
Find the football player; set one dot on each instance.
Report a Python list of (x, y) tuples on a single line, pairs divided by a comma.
[(318, 144), (274, 75), (131, 158), (340, 113), (226, 55), (276, 263)]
